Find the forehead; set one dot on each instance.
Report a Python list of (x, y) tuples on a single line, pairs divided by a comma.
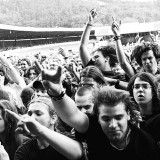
[(85, 99), (32, 70), (38, 106), (138, 80), (97, 53), (148, 53), (107, 110), (87, 79), (24, 62)]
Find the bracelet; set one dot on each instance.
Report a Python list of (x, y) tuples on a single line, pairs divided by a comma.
[(88, 24), (56, 98), (116, 38), (116, 85)]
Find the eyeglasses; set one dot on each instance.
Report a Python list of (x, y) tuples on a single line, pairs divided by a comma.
[(143, 86)]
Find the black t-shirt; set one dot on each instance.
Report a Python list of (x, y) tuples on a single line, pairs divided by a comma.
[(152, 126), (29, 151), (141, 146)]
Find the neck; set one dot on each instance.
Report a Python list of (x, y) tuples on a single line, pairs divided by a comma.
[(152, 71), (41, 142), (146, 109)]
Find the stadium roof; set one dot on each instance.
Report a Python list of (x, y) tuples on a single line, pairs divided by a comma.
[(8, 32)]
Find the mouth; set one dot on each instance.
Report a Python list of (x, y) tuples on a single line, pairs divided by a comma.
[(140, 96)]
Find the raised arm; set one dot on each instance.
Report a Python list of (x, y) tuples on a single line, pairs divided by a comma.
[(61, 143), (126, 66), (84, 53), (12, 72), (65, 106)]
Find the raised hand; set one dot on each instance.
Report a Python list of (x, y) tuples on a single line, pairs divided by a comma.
[(52, 81), (92, 16), (26, 125), (115, 27)]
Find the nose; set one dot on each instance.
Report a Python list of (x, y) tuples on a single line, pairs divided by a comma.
[(113, 123), (33, 116), (147, 60), (140, 88), (83, 110)]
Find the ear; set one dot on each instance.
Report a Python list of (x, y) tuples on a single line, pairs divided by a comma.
[(53, 119), (107, 59), (128, 115)]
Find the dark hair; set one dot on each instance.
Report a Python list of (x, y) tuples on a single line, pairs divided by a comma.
[(32, 68), (143, 47), (106, 50), (26, 95), (113, 61), (148, 77), (4, 71), (93, 72), (111, 97), (12, 139), (27, 60)]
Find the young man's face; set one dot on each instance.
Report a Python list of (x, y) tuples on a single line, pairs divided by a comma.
[(149, 61), (100, 60), (84, 102), (114, 121), (142, 91), (24, 65)]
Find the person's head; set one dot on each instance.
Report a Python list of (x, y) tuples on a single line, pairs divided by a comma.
[(101, 57), (7, 123), (83, 99), (146, 55), (53, 65), (26, 95), (143, 89), (32, 72), (4, 79), (43, 111), (25, 64), (39, 89), (91, 76), (112, 107)]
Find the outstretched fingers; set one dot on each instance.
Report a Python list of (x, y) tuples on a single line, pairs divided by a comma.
[(13, 114)]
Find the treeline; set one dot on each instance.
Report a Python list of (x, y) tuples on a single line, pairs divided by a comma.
[(73, 13)]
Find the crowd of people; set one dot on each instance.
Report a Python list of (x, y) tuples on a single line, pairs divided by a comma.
[(102, 102)]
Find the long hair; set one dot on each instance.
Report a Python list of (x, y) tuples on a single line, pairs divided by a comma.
[(152, 81), (12, 140), (95, 73)]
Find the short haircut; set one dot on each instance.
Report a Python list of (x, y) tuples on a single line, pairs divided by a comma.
[(81, 91)]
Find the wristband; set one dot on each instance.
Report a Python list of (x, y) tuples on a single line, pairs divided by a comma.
[(116, 38), (88, 24), (56, 98)]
